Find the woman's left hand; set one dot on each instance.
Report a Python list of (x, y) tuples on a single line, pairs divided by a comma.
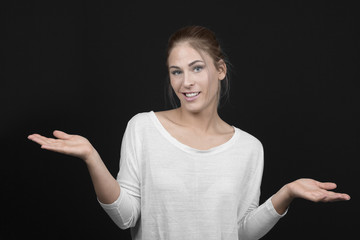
[(315, 191), (308, 189)]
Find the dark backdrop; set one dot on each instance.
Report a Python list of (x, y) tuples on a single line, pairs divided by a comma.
[(87, 67)]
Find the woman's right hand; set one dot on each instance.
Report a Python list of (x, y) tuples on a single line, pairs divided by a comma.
[(73, 145), (106, 187)]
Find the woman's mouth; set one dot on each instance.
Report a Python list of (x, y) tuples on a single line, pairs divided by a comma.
[(191, 96)]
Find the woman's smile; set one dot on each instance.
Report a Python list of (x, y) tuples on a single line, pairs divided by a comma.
[(191, 96)]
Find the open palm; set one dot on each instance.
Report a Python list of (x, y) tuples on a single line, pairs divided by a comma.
[(73, 145), (316, 191)]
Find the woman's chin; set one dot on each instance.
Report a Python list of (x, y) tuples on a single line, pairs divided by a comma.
[(191, 108), (195, 108)]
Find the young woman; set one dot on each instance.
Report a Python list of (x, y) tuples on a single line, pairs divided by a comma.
[(185, 173)]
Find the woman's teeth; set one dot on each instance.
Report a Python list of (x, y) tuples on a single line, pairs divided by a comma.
[(191, 94)]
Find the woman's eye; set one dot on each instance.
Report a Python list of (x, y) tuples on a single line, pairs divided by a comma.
[(198, 68), (176, 72)]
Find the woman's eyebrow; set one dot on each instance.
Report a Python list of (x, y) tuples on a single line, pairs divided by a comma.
[(174, 67), (190, 64)]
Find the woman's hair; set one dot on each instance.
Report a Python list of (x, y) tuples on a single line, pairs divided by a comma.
[(203, 40)]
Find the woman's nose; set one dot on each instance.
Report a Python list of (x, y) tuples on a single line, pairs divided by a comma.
[(188, 80)]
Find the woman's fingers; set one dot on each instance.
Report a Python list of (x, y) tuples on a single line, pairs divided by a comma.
[(51, 144), (345, 196), (73, 145), (61, 135), (327, 185), (316, 191), (56, 147), (331, 196), (40, 139)]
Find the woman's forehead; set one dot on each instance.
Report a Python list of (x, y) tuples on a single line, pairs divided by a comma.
[(184, 53)]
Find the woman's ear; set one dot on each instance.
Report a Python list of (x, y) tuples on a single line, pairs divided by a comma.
[(222, 69)]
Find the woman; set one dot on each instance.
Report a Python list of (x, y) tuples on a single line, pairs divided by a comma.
[(185, 173)]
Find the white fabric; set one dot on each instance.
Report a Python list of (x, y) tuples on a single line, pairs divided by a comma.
[(174, 192)]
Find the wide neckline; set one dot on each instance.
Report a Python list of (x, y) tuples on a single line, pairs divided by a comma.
[(187, 148)]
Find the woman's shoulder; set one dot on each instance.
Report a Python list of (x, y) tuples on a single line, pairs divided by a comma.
[(145, 119), (163, 114), (249, 139), (140, 119), (166, 114)]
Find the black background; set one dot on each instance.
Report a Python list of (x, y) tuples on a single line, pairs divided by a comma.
[(88, 67)]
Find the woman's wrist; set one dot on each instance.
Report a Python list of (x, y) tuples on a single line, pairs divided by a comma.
[(288, 192), (282, 199), (92, 157)]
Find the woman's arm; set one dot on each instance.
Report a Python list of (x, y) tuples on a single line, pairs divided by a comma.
[(106, 187), (308, 189), (261, 219)]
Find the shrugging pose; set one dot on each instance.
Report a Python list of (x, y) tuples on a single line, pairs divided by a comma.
[(185, 173)]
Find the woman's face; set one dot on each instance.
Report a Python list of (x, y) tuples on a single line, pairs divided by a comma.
[(194, 78)]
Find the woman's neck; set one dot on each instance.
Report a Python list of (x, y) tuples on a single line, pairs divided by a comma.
[(204, 121)]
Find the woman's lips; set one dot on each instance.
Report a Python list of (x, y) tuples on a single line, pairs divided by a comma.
[(191, 96)]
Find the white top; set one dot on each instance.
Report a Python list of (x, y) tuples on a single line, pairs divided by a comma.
[(171, 191)]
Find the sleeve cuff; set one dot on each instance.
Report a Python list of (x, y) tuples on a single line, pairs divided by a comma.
[(113, 205), (272, 210)]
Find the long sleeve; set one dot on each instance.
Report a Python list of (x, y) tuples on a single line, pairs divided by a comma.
[(258, 220), (125, 211)]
